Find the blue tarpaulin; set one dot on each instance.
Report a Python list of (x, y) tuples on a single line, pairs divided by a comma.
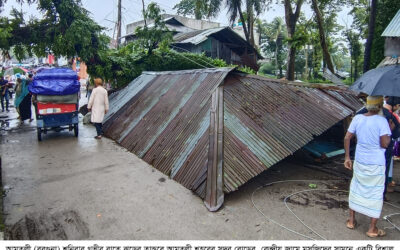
[(56, 81)]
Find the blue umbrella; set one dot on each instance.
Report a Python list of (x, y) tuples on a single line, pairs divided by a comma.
[(383, 81)]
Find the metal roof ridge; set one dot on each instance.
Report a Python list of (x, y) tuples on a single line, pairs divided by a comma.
[(189, 71), (393, 29), (341, 88)]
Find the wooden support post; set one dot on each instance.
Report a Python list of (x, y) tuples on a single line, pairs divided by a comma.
[(215, 185)]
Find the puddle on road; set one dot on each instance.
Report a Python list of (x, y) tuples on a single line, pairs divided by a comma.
[(65, 225)]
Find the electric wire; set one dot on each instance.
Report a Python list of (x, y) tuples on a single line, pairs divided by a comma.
[(191, 60), (190, 51), (387, 218), (303, 191)]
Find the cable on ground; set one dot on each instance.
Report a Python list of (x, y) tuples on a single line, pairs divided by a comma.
[(387, 217)]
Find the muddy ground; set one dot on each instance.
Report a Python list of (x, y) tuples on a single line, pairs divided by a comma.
[(81, 188)]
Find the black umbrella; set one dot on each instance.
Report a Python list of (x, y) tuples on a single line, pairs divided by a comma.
[(383, 81)]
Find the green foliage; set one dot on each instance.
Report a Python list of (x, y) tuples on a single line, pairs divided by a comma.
[(318, 79), (267, 75), (122, 66), (387, 9), (274, 36), (348, 81), (200, 9), (150, 37), (149, 52), (247, 70), (356, 52), (267, 69), (300, 37), (65, 30), (360, 13)]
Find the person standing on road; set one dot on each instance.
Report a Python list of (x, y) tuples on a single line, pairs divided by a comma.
[(367, 185), (4, 95), (23, 100), (98, 105), (390, 105)]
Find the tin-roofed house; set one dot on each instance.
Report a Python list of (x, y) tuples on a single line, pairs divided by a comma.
[(223, 43), (212, 130), (200, 36), (392, 41)]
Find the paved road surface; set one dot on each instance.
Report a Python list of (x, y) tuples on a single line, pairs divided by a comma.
[(81, 188)]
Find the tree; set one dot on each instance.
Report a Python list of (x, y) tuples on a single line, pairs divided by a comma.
[(322, 38), (370, 38), (149, 38), (275, 36), (65, 30), (386, 10), (197, 8), (210, 8), (291, 18), (353, 39)]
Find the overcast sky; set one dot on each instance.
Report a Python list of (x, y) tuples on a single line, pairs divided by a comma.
[(105, 12)]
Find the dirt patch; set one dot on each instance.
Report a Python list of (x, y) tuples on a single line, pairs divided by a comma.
[(330, 200), (325, 200), (65, 225), (301, 199)]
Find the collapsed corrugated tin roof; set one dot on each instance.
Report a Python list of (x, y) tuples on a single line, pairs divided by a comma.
[(393, 29), (212, 130)]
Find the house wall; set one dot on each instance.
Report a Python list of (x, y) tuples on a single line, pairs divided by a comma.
[(196, 24), (216, 49), (239, 30), (392, 46), (187, 22)]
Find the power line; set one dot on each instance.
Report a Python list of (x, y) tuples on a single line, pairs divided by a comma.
[(190, 51), (107, 15)]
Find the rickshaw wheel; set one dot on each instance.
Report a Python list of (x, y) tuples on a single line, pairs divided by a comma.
[(76, 130), (39, 134)]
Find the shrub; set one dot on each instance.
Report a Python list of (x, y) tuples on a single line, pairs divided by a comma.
[(267, 69), (122, 66)]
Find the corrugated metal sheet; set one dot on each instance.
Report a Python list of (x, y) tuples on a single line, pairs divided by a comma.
[(393, 29), (266, 121), (196, 37), (212, 130), (166, 121)]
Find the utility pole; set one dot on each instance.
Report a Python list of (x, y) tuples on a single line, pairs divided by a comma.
[(119, 23)]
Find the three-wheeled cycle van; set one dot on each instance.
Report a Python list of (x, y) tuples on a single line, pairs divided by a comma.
[(56, 95)]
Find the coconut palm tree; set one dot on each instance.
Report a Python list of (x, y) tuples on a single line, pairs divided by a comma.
[(246, 15)]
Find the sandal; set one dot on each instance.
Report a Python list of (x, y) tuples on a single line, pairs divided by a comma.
[(351, 226), (380, 233)]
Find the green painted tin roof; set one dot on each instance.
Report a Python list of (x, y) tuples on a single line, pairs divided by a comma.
[(393, 29)]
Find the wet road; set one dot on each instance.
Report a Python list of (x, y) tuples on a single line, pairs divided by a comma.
[(81, 188)]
